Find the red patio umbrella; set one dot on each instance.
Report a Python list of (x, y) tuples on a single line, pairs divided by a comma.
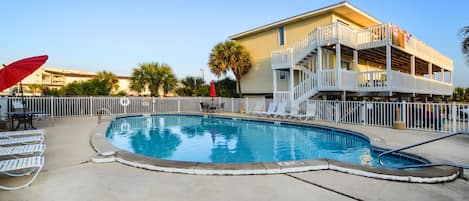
[(213, 91), (15, 72)]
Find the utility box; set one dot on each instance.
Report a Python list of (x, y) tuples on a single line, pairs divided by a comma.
[(3, 108)]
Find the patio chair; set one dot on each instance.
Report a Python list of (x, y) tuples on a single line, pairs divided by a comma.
[(204, 107), (270, 110), (26, 165), (9, 134), (310, 112), (18, 106), (15, 151), (280, 112), (21, 140)]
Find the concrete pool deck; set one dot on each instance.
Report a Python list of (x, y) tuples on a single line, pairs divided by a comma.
[(69, 174)]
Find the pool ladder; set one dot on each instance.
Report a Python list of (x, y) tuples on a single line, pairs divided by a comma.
[(104, 111), (457, 165)]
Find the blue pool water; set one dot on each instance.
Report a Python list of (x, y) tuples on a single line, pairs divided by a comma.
[(225, 140)]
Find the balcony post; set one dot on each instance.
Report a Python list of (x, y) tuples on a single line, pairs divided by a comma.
[(274, 78), (412, 72), (388, 68), (442, 75), (338, 67), (355, 60), (291, 82), (430, 73)]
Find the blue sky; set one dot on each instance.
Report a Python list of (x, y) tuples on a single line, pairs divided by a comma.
[(118, 35)]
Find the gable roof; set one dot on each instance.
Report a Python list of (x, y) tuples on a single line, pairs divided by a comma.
[(343, 8)]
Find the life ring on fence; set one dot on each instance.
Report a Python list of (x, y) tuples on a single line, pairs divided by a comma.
[(124, 101)]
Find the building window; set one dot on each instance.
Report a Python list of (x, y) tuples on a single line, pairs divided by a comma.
[(283, 75), (345, 65), (281, 35)]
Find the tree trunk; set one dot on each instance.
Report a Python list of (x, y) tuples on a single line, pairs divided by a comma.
[(238, 82)]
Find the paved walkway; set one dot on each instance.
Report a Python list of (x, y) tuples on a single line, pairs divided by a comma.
[(69, 176)]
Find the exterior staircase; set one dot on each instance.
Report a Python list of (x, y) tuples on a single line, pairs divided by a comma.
[(301, 53)]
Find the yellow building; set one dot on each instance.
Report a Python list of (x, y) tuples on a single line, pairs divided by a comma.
[(341, 51), (57, 78)]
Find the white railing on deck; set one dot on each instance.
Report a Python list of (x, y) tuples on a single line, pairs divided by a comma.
[(370, 37), (347, 35), (365, 38), (349, 80), (282, 58), (305, 89), (327, 34), (372, 80), (305, 46), (327, 79)]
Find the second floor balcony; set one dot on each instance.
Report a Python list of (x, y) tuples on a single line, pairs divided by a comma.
[(358, 39)]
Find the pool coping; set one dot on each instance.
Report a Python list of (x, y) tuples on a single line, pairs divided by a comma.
[(110, 153)]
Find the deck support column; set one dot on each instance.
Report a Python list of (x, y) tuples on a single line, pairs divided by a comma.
[(274, 78), (355, 60), (430, 73), (319, 66), (412, 72), (442, 75), (291, 82), (338, 67), (388, 68)]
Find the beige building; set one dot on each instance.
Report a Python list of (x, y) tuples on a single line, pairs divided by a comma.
[(341, 51), (57, 78)]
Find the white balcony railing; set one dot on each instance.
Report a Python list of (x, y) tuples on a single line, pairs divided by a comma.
[(282, 58), (327, 79), (366, 38), (372, 80)]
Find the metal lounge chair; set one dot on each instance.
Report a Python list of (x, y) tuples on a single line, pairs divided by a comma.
[(270, 110), (27, 165), (310, 112), (21, 140), (15, 151), (9, 134)]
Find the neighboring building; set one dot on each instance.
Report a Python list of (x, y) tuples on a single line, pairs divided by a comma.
[(57, 78), (338, 52)]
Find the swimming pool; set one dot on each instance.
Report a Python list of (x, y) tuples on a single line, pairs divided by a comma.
[(208, 139)]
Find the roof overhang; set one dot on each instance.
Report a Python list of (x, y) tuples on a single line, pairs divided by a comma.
[(344, 9)]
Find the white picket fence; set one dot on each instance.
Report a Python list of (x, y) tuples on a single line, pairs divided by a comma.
[(438, 117), (89, 106)]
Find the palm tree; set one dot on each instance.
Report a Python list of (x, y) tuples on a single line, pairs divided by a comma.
[(153, 76), (465, 41), (110, 78), (230, 56), (192, 86)]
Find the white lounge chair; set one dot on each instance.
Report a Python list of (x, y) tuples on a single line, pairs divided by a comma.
[(23, 150), (27, 165), (22, 140), (280, 111), (8, 134), (310, 112), (270, 110)]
